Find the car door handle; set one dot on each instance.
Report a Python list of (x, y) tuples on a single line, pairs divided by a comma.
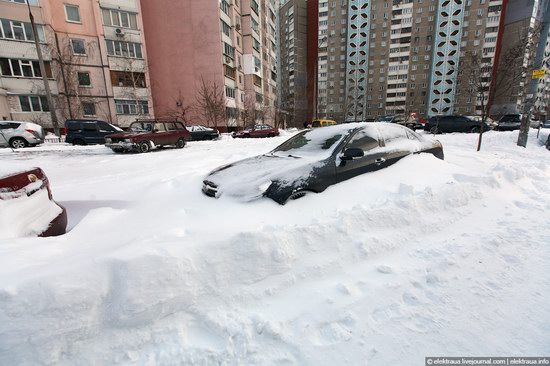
[(379, 161)]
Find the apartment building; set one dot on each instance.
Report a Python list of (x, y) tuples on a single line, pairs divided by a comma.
[(227, 45), (22, 95), (95, 56), (527, 26), (402, 56), (293, 81)]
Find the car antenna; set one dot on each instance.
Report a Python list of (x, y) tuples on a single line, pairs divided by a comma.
[(2, 133)]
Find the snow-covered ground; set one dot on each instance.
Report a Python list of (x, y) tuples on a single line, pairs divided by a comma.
[(425, 258)]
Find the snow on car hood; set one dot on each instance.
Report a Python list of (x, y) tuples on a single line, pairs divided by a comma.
[(249, 178)]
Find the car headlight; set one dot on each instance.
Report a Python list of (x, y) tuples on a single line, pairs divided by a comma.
[(127, 140), (107, 139), (264, 186)]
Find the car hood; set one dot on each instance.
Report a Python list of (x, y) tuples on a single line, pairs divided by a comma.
[(249, 178), (123, 135)]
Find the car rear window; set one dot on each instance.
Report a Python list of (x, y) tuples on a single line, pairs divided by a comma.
[(73, 125)]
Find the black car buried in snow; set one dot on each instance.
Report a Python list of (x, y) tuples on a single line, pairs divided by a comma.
[(312, 160)]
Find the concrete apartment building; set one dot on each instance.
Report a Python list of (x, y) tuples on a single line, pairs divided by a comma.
[(527, 19), (228, 44), (396, 57), (96, 60), (293, 81)]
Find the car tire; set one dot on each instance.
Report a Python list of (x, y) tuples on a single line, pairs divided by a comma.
[(247, 136), (297, 195), (180, 144), (474, 129), (271, 135), (78, 142), (144, 147), (18, 143)]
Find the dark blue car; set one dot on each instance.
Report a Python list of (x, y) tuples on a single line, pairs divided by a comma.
[(86, 131)]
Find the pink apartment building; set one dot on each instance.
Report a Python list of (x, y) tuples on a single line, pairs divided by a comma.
[(96, 61), (228, 44)]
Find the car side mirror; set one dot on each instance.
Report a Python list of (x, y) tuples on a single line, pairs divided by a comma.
[(352, 153)]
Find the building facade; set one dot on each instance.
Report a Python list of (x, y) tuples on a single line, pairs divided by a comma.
[(402, 56), (95, 58), (226, 46), (293, 81)]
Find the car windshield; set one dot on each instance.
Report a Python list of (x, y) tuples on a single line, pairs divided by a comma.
[(141, 127), (384, 119), (313, 143)]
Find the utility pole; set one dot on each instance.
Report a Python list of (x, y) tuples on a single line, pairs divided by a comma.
[(49, 98)]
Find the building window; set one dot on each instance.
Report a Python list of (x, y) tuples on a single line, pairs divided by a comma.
[(254, 6), (228, 50), (21, 31), (31, 2), (124, 49), (128, 79), (224, 6), (72, 13), (23, 68), (88, 109), (84, 79), (226, 29), (117, 18), (230, 92), (78, 46), (33, 103), (131, 106)]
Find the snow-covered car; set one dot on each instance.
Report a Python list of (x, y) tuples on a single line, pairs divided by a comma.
[(26, 204), (17, 134), (199, 133), (315, 159), (257, 131), (142, 136)]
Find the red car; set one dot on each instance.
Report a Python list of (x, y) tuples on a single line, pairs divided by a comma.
[(257, 131), (142, 136), (27, 206)]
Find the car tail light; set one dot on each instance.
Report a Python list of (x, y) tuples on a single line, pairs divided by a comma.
[(35, 133)]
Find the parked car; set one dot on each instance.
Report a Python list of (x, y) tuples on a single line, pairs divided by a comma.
[(17, 134), (312, 160), (547, 143), (26, 204), (88, 131), (545, 124), (509, 122), (203, 133), (439, 124), (490, 122), (391, 118), (262, 130), (142, 136), (322, 123)]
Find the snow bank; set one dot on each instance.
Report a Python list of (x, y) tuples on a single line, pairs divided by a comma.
[(427, 257)]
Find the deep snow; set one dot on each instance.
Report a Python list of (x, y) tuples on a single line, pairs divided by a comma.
[(425, 258)]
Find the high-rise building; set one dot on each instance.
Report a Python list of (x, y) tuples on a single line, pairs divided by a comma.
[(293, 61), (402, 56), (95, 58), (225, 45), (527, 27)]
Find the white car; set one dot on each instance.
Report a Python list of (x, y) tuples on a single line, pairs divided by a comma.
[(17, 134)]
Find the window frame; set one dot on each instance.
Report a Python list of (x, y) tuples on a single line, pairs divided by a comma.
[(89, 79), (83, 44), (65, 6), (84, 109)]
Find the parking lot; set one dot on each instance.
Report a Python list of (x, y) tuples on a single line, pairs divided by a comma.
[(384, 268)]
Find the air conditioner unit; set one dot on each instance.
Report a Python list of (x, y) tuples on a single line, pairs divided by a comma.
[(256, 69), (240, 67), (227, 59), (119, 32), (238, 26)]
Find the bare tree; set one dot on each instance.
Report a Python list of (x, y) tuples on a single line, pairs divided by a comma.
[(211, 103), (181, 111), (490, 81), (248, 113)]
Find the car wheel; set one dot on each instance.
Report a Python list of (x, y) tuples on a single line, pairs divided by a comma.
[(246, 136), (78, 142), (18, 143), (297, 195), (180, 144), (474, 129), (144, 147), (434, 130), (271, 135)]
